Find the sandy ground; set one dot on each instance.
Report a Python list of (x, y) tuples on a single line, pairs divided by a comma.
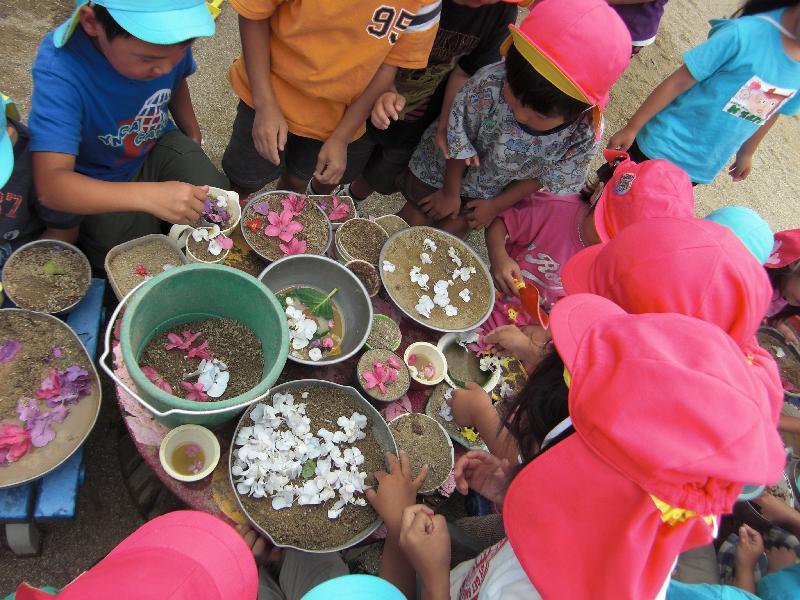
[(106, 514)]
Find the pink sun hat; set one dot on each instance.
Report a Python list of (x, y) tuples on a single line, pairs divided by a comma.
[(669, 424), (580, 46), (183, 555), (639, 191), (786, 249)]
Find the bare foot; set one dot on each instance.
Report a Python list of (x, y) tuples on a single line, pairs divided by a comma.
[(263, 551)]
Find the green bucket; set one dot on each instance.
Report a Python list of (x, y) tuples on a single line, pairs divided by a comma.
[(191, 293)]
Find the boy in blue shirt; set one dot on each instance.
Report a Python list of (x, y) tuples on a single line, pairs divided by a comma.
[(22, 218), (105, 84)]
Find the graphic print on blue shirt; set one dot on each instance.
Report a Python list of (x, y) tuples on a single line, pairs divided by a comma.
[(757, 100), (82, 106)]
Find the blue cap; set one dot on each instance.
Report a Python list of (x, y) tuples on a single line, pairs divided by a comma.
[(161, 22), (6, 147), (355, 587), (750, 228)]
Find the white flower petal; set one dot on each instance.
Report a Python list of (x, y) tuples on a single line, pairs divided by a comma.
[(388, 267), (315, 354)]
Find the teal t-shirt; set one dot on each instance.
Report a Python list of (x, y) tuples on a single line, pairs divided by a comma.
[(706, 591), (744, 76)]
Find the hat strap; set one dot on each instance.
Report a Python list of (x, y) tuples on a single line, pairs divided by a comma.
[(673, 515)]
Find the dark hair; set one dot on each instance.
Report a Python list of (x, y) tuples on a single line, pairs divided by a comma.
[(109, 25), (540, 406), (753, 7), (602, 175), (776, 277), (535, 92)]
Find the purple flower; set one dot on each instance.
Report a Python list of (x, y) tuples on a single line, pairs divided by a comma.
[(262, 208), (38, 423), (65, 387), (8, 350), (57, 352)]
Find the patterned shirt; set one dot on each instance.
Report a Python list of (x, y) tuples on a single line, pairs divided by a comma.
[(481, 122)]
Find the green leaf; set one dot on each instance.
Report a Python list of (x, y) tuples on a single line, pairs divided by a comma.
[(309, 469), (318, 303), (51, 268)]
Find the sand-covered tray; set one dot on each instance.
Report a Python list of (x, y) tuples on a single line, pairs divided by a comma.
[(785, 354), (277, 224), (47, 275), (300, 463), (436, 279), (392, 223), (467, 437), (131, 263), (49, 395), (426, 443)]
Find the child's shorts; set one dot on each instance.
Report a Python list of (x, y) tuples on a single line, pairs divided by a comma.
[(249, 171), (414, 190)]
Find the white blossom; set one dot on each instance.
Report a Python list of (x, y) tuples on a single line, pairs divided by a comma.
[(464, 294), (222, 201), (448, 394), (283, 499), (489, 363), (429, 244), (315, 354), (440, 287), (214, 376), (463, 273), (425, 306), (445, 412), (388, 267), (426, 258), (301, 328), (451, 252), (506, 390), (418, 277), (450, 310)]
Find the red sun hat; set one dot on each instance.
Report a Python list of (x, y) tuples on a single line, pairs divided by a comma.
[(580, 46), (638, 191), (669, 425), (786, 249), (180, 555)]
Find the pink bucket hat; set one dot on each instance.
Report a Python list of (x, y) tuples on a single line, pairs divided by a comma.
[(654, 188), (181, 555), (580, 46), (786, 249), (669, 425)]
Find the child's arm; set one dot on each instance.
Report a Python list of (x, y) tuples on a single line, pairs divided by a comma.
[(743, 164), (472, 407), (789, 424), (748, 549), (458, 77), (669, 89), (182, 111), (269, 127), (332, 157), (484, 211), (504, 268), (60, 188), (65, 235), (446, 202), (425, 542)]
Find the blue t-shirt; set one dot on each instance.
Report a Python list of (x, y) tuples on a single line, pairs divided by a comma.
[(744, 76), (706, 591), (81, 105)]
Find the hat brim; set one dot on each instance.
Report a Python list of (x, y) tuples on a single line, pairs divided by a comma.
[(6, 158), (156, 27), (572, 316), (577, 274), (569, 492)]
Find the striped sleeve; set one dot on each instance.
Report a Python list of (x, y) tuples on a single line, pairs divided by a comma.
[(412, 49), (256, 10)]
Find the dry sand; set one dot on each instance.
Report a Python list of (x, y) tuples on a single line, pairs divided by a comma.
[(105, 514)]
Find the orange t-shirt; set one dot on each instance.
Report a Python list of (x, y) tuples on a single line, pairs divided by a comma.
[(324, 53)]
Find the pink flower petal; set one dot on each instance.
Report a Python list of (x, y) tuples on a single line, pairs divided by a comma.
[(393, 362), (412, 360), (428, 372)]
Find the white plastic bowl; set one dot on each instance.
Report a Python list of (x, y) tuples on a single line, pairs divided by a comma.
[(195, 434)]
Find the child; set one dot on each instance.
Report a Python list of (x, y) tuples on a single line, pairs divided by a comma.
[(726, 96), (597, 513), (309, 74), (22, 218), (641, 18), (530, 242), (523, 124), (105, 83), (469, 38), (783, 268)]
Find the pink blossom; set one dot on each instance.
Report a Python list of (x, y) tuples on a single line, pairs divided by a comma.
[(225, 242), (393, 362), (282, 225), (339, 210), (156, 379), (294, 204), (200, 351), (379, 376), (294, 246), (327, 343), (195, 391), (412, 360), (175, 341), (50, 386), (14, 442), (428, 371)]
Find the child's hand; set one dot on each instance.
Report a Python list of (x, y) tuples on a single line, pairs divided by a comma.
[(177, 202), (787, 331), (331, 161), (425, 541), (483, 473), (396, 491), (775, 510), (440, 205), (780, 557), (441, 138), (269, 133), (749, 547), (517, 342), (741, 167), (387, 109), (467, 404), (482, 213), (623, 139), (505, 270)]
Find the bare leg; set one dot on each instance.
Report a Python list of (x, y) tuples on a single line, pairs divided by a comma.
[(361, 189), (414, 216), (456, 225), (291, 183)]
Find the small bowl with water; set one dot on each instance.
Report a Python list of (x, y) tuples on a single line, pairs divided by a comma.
[(189, 452)]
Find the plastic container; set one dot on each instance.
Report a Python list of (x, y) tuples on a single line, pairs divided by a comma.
[(190, 434), (234, 209), (180, 257), (426, 353), (192, 293)]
